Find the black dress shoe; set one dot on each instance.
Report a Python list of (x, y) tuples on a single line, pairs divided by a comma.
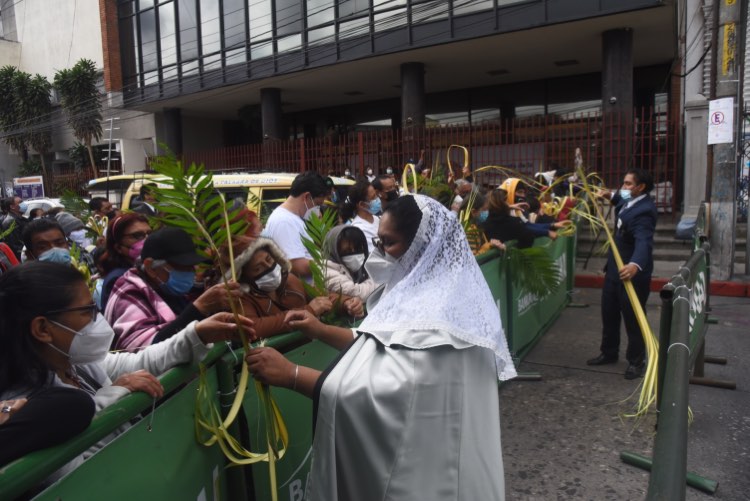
[(634, 370), (602, 359)]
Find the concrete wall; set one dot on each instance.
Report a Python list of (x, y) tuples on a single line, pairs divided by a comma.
[(56, 34)]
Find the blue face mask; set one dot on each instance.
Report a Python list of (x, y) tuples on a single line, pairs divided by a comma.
[(625, 194), (375, 206), (22, 207), (483, 215), (179, 282), (55, 255)]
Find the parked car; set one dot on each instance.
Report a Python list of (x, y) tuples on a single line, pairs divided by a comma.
[(41, 203)]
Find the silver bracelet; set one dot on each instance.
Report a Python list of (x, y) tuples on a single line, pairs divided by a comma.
[(296, 373)]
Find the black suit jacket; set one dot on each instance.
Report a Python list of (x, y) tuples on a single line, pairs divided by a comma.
[(634, 236)]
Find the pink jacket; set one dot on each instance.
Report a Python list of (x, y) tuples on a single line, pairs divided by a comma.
[(136, 312)]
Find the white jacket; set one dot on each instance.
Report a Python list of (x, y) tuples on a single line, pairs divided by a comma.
[(339, 280)]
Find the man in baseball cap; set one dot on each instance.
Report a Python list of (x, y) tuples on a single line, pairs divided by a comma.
[(148, 304)]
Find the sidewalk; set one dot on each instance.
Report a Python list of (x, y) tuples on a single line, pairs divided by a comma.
[(562, 436)]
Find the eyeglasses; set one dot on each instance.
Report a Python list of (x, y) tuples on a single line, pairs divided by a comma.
[(137, 235), (92, 309), (378, 244)]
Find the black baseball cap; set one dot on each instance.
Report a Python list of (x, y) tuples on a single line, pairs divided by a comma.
[(173, 245)]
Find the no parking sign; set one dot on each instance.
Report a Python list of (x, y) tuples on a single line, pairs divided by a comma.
[(721, 121)]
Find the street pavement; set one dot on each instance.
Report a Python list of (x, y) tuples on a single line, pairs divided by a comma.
[(562, 436)]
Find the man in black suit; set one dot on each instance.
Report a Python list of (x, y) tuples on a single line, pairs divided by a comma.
[(148, 200), (635, 213)]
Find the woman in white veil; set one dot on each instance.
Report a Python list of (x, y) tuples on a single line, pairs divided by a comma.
[(410, 409)]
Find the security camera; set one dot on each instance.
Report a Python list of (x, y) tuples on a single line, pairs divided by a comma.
[(613, 100)]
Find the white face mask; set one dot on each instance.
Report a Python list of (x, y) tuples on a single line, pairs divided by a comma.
[(310, 210), (380, 266), (90, 344), (353, 262), (271, 280)]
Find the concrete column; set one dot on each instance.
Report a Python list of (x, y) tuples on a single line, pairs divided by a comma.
[(172, 124), (412, 95), (617, 103), (271, 116), (696, 151)]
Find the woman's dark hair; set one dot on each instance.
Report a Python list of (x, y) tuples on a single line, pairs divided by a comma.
[(355, 236), (116, 230), (406, 216), (357, 193), (499, 202), (26, 292), (478, 203)]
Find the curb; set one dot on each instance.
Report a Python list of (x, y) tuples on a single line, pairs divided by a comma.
[(718, 287)]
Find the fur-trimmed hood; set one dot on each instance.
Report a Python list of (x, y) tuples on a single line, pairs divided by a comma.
[(245, 248)]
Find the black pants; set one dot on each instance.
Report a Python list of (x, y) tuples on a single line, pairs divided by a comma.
[(616, 305)]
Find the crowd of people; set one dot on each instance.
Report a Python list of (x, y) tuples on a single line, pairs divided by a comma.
[(409, 377)]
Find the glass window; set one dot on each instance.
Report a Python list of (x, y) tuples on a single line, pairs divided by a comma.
[(167, 34), (387, 4), (485, 115), (438, 119), (210, 26), (429, 11), (319, 12), (351, 7), (354, 28), (321, 35), (291, 42), (234, 24), (145, 4), (468, 6), (390, 20), (169, 73), (261, 50), (148, 39), (211, 62), (236, 56), (570, 110), (188, 29), (288, 17), (260, 19), (190, 68), (529, 111)]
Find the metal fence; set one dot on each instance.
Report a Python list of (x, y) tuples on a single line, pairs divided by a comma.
[(610, 143)]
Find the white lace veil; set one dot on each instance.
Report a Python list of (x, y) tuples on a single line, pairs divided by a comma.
[(438, 286)]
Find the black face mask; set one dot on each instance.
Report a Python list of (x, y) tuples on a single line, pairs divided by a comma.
[(390, 196)]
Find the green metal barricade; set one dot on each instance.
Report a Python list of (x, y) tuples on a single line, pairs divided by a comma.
[(168, 462)]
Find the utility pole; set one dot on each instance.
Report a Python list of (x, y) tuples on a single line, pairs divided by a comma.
[(722, 179), (109, 148)]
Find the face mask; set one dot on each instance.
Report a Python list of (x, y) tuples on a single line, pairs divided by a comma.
[(390, 196), (55, 255), (353, 262), (380, 266), (310, 210), (389, 171), (347, 173), (483, 215), (22, 207), (335, 197), (625, 194), (369, 172), (374, 207), (179, 283), (269, 281), (134, 252), (90, 344)]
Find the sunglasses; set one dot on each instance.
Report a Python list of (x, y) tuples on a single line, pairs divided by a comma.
[(92, 309)]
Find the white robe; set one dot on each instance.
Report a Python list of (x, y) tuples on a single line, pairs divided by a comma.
[(404, 424)]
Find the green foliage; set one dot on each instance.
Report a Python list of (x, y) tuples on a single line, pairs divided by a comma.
[(29, 168), (187, 199), (24, 109), (77, 154), (533, 270), (75, 204), (317, 229), (79, 97), (7, 232)]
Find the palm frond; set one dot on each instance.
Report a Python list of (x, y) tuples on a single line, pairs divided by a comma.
[(533, 270)]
